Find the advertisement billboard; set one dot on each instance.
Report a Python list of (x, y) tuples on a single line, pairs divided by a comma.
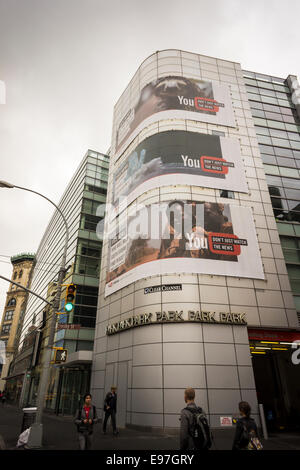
[(211, 238), (175, 97), (180, 157)]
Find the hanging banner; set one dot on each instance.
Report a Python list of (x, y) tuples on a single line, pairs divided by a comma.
[(175, 97), (183, 237), (180, 157)]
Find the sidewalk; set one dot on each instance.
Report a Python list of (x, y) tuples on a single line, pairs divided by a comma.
[(60, 434)]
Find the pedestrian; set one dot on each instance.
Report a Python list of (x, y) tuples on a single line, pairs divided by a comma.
[(246, 434), (110, 408), (85, 419), (194, 429), (3, 398)]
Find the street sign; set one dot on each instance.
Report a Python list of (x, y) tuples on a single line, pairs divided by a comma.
[(60, 356)]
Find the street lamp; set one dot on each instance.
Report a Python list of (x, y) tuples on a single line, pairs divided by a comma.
[(36, 433)]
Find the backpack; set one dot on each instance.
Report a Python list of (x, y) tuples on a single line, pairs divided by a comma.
[(250, 439), (199, 430)]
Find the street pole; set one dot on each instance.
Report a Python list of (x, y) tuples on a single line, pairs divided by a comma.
[(25, 288), (36, 434)]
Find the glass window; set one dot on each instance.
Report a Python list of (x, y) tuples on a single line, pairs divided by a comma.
[(287, 111), (273, 170), (288, 119), (258, 113), (249, 81), (9, 315), (291, 183), (295, 145), (253, 96), (260, 122), (252, 89), (293, 271), (280, 142), (278, 133), (280, 88), (285, 229), (269, 115), (263, 139), (265, 84), (262, 130), (269, 99), (5, 329), (286, 162), (282, 102), (276, 124), (269, 107), (11, 302), (267, 92), (282, 152), (293, 205), (291, 127), (256, 105), (268, 159), (227, 194), (291, 249), (273, 180), (294, 136), (267, 149), (289, 172), (276, 191)]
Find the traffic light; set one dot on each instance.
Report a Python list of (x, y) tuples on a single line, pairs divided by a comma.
[(60, 356), (70, 297)]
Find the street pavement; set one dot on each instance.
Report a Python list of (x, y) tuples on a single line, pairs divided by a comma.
[(60, 434)]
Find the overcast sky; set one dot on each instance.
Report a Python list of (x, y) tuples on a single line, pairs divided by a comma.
[(66, 62)]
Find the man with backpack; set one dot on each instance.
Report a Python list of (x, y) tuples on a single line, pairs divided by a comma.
[(85, 419), (194, 428)]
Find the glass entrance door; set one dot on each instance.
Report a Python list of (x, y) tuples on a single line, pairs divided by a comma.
[(75, 383)]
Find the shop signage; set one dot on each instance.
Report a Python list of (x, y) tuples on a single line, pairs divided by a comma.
[(163, 288), (68, 327), (175, 316)]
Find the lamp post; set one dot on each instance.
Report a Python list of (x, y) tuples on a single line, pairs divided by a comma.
[(36, 434)]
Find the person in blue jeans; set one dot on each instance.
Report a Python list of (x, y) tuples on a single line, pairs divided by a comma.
[(110, 408)]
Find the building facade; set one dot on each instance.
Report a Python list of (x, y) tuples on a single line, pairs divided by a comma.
[(193, 275), (13, 313), (75, 331), (276, 116)]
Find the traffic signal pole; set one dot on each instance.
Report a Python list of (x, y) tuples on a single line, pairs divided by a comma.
[(36, 433)]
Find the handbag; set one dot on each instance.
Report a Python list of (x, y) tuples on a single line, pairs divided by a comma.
[(250, 440)]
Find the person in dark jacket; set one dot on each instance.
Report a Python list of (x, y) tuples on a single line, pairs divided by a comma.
[(244, 425), (85, 419), (110, 408), (186, 420)]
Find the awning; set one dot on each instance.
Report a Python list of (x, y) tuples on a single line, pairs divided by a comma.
[(261, 334)]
